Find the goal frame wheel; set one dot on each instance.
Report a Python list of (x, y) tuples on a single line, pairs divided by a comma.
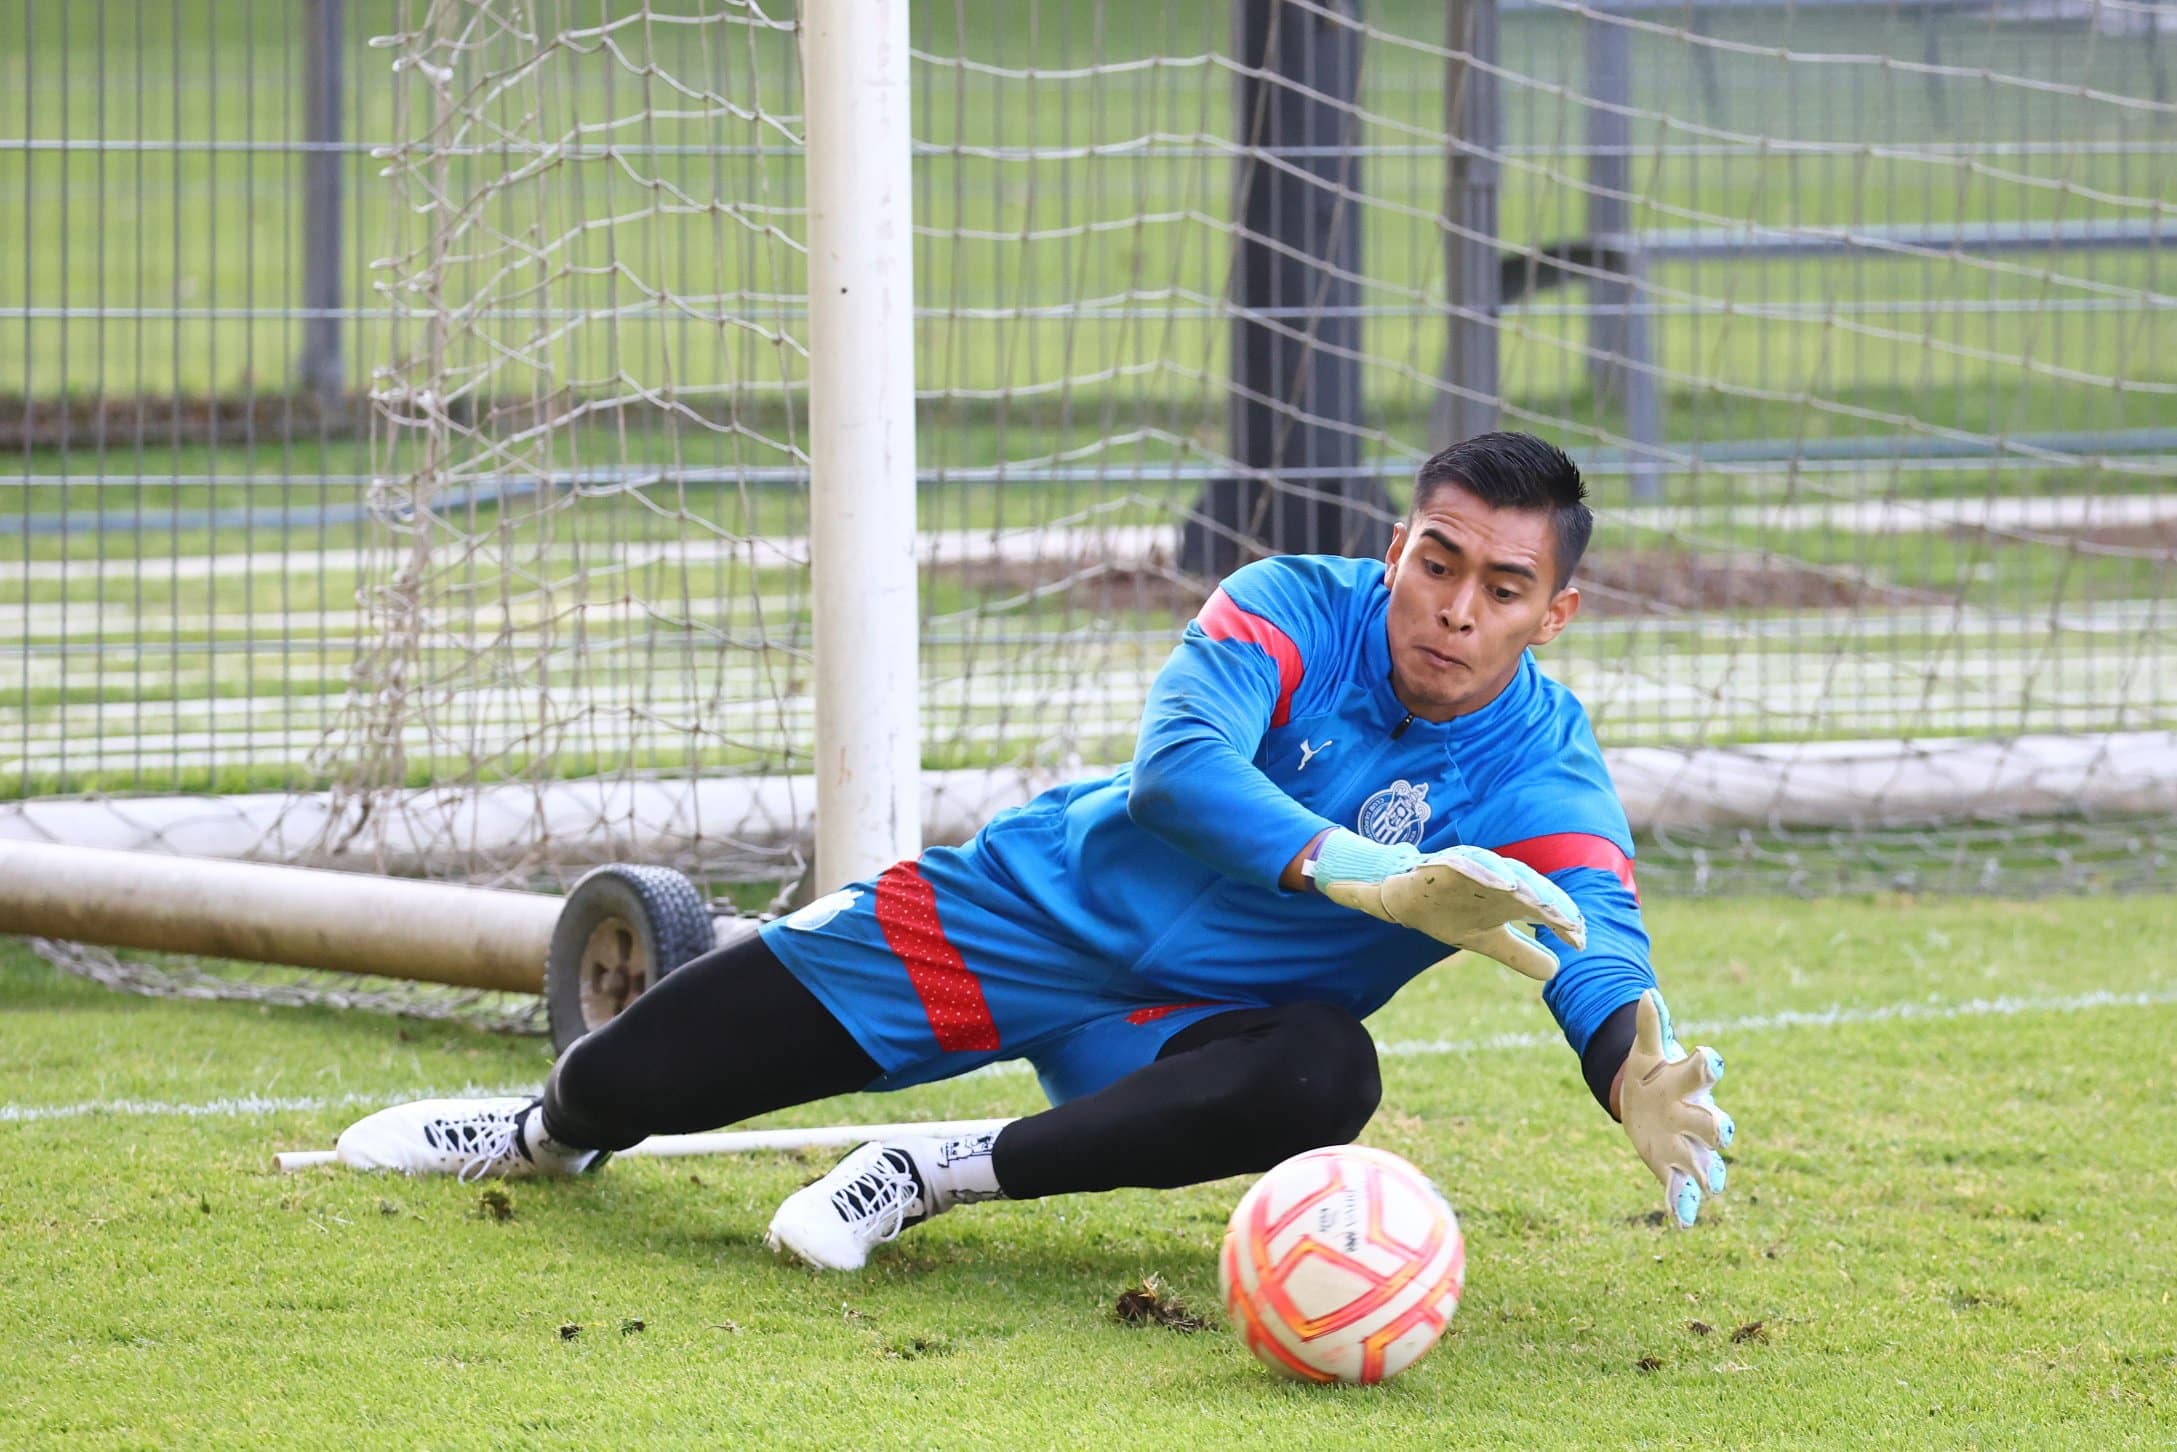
[(622, 929)]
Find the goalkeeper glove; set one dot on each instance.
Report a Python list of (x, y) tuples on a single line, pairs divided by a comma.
[(1468, 897), (1664, 1103)]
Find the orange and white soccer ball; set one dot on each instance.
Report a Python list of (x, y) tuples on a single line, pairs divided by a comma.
[(1342, 1264)]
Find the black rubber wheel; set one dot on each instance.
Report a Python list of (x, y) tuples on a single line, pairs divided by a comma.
[(621, 930)]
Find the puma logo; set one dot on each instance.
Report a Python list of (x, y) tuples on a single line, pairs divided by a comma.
[(1309, 753)]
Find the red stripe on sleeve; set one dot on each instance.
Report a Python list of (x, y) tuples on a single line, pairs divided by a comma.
[(952, 996), (1221, 619), (1561, 850)]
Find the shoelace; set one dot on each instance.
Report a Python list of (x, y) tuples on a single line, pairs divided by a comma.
[(879, 1199), (486, 1140)]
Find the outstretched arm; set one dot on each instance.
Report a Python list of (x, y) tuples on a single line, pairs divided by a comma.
[(1195, 782)]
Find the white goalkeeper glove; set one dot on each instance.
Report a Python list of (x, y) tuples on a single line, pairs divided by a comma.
[(1664, 1103), (1467, 897)]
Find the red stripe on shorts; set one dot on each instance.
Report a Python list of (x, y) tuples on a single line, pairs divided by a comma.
[(1222, 619), (1561, 850), (952, 996)]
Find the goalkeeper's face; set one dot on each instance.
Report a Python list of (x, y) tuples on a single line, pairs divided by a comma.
[(1472, 586)]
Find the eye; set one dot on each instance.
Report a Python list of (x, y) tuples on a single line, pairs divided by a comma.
[(1507, 596), (1436, 568)]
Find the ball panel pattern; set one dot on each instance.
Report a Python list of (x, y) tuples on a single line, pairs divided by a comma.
[(1342, 1264)]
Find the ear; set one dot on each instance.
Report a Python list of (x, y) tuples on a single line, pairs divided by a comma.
[(1391, 557), (1563, 606)]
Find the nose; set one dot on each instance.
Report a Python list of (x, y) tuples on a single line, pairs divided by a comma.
[(1457, 611)]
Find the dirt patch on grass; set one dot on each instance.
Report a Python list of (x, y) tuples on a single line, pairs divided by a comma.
[(1149, 1302), (1677, 582), (1091, 588), (1616, 583), (2156, 539), (79, 422)]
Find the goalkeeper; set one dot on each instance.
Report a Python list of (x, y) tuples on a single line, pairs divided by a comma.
[(1347, 770)]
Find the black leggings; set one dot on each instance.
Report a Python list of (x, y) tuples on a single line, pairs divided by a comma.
[(734, 1034)]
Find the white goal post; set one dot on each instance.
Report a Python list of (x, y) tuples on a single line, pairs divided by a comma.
[(862, 561)]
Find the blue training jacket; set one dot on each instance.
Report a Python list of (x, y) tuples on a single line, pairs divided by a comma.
[(1274, 719)]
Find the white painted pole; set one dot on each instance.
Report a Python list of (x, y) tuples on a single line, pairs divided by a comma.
[(351, 922), (862, 437)]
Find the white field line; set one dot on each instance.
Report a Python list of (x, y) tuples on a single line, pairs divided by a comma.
[(124, 641), (2116, 675), (1943, 621), (1043, 684), (1784, 1021), (119, 630), (2020, 513), (1689, 689), (274, 748), (245, 1104), (1938, 620), (118, 623), (1131, 545), (1793, 1019), (1916, 714), (1138, 544), (168, 569)]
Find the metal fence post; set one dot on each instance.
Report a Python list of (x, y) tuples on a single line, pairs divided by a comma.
[(1643, 385), (1609, 174), (1468, 404), (1296, 409), (322, 370)]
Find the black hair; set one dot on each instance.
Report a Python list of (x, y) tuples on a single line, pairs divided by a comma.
[(1516, 471)]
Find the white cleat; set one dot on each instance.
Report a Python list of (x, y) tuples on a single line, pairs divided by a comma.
[(473, 1138), (868, 1198)]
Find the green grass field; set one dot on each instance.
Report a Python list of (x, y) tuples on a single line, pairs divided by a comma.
[(1951, 1225)]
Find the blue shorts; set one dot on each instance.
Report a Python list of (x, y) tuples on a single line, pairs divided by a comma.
[(934, 985)]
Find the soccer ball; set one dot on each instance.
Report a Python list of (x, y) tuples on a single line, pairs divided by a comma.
[(1342, 1264)]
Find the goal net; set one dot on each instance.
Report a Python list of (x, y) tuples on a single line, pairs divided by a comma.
[(1857, 317)]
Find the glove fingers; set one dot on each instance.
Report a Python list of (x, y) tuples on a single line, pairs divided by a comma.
[(1710, 1166), (1436, 893), (1689, 1076), (1695, 1173), (1572, 928), (1543, 900), (1516, 951), (1552, 905), (1475, 891), (1682, 1196), (1552, 909), (1673, 1121), (1479, 864), (1440, 899), (1699, 1119)]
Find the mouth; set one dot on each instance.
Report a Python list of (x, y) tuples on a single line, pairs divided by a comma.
[(1440, 660)]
